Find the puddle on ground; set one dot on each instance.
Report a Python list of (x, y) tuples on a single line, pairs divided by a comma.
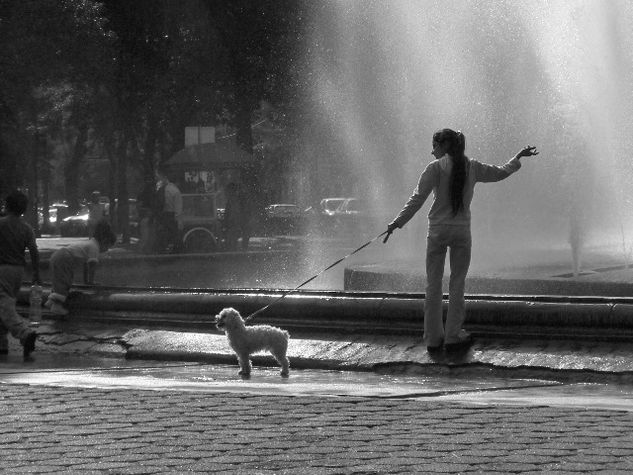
[(114, 373), (197, 377)]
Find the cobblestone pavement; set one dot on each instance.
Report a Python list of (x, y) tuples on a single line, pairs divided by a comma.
[(57, 429)]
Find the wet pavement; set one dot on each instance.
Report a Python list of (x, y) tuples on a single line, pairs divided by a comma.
[(103, 415), (70, 410), (156, 375), (116, 373)]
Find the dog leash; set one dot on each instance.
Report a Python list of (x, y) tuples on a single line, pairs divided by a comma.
[(252, 315)]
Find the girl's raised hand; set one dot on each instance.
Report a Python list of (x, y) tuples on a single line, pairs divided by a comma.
[(527, 151)]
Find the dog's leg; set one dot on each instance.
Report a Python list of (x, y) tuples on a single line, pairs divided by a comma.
[(285, 367), (284, 362), (245, 364)]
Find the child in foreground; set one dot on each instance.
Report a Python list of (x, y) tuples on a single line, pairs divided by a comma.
[(15, 236), (64, 261)]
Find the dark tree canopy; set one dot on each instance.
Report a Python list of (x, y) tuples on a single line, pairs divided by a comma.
[(119, 81)]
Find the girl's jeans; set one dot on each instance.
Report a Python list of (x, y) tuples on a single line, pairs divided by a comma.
[(439, 239)]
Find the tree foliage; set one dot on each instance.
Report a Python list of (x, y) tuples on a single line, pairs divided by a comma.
[(120, 80)]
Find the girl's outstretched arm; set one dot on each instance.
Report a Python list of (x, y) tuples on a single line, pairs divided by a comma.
[(486, 173)]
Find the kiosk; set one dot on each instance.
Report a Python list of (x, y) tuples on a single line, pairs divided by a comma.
[(201, 172)]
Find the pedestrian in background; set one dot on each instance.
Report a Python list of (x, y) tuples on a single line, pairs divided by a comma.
[(64, 261), (233, 217), (147, 219), (168, 212), (15, 237), (246, 205), (451, 177), (96, 212)]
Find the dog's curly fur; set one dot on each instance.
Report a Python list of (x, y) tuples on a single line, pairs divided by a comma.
[(246, 340)]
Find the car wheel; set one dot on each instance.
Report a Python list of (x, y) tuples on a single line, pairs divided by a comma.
[(199, 240)]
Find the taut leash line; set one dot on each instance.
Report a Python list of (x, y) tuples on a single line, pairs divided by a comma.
[(252, 315)]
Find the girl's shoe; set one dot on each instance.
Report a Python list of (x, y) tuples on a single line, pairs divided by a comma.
[(464, 342), (434, 350)]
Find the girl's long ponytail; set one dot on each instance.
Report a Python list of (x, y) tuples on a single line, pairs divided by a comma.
[(458, 174), (456, 144)]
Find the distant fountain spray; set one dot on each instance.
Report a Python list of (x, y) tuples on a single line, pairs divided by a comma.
[(382, 78), (576, 238)]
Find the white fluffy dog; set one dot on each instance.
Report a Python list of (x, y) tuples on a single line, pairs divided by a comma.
[(246, 340)]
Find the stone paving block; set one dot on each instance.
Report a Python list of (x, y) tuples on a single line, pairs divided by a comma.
[(310, 471), (38, 468), (207, 466), (139, 470), (182, 439), (438, 468)]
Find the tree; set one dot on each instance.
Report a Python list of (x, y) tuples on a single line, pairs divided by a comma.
[(45, 44), (122, 79)]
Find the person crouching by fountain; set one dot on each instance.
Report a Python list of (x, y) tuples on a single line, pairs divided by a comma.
[(451, 177), (63, 262)]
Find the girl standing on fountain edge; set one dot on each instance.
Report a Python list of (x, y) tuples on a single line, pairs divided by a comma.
[(451, 177)]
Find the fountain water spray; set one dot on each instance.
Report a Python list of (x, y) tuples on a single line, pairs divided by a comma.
[(382, 78)]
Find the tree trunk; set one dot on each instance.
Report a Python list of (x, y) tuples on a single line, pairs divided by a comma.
[(46, 178), (32, 214), (149, 154), (108, 145), (122, 209), (71, 171), (244, 133)]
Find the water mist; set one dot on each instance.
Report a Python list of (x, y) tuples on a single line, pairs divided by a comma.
[(383, 76)]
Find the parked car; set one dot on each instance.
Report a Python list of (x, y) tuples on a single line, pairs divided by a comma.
[(330, 205), (283, 211), (77, 225), (352, 217), (340, 215), (284, 218), (351, 207), (56, 213)]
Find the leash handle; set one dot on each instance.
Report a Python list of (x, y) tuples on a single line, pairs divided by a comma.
[(252, 315)]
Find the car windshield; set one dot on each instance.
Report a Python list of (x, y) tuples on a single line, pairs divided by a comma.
[(355, 205), (332, 204)]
